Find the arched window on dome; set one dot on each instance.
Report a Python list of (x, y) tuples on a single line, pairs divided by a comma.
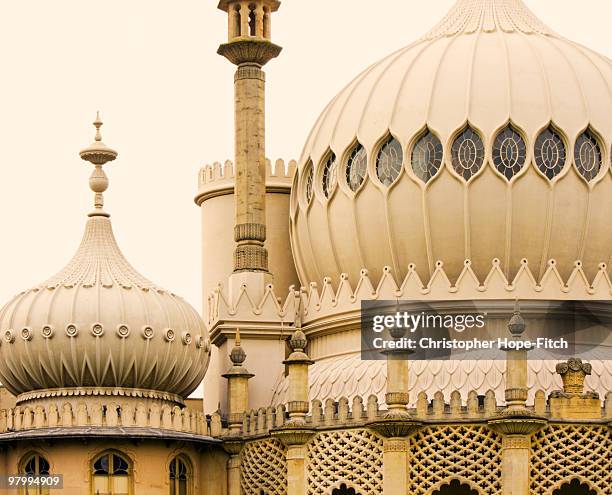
[(455, 487), (34, 465), (426, 158), (111, 474), (309, 178), (181, 476), (587, 155), (344, 490), (467, 153), (389, 161), (356, 167), (509, 152), (329, 174), (574, 487), (550, 153)]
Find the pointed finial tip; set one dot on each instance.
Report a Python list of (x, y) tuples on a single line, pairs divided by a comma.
[(237, 336), (97, 124), (98, 153)]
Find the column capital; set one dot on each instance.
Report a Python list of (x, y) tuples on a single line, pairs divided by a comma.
[(245, 50), (395, 427), (514, 422), (291, 436)]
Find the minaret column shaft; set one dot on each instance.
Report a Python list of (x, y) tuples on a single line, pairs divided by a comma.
[(250, 186)]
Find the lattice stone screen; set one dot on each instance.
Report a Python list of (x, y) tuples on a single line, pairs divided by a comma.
[(353, 457), (263, 468), (560, 453), (470, 453)]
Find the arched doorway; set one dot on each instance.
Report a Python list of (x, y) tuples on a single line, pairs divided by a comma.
[(455, 487), (574, 487)]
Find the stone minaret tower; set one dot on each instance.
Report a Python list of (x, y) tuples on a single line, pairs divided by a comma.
[(249, 48)]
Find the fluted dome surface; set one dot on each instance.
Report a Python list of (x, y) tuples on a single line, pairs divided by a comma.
[(98, 327), (99, 323), (486, 139)]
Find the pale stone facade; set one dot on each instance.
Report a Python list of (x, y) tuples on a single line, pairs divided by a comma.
[(421, 182)]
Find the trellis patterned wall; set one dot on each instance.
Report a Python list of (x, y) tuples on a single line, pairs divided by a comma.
[(561, 453), (264, 468), (353, 457), (471, 453)]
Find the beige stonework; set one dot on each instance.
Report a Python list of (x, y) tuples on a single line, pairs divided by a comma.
[(99, 361)]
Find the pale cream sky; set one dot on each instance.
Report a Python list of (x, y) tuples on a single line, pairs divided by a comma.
[(151, 67)]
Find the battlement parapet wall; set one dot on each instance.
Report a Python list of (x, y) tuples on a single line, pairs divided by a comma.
[(358, 412), (217, 179), (67, 415)]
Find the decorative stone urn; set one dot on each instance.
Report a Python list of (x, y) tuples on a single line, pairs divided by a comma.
[(573, 372)]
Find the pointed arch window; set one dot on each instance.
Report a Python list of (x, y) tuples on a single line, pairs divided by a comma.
[(574, 487), (344, 490), (181, 476), (329, 174), (587, 155), (356, 167), (426, 157), (509, 152), (467, 153), (111, 475), (309, 176), (35, 465), (550, 153), (389, 161)]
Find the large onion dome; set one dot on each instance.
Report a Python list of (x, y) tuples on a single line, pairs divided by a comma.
[(486, 139), (98, 327)]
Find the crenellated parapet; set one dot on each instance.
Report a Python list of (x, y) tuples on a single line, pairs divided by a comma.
[(436, 409), (68, 415), (218, 179)]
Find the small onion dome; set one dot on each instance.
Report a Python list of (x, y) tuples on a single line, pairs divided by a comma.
[(98, 324), (488, 138)]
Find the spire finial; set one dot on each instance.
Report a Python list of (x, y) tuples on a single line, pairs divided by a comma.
[(98, 154), (97, 124), (238, 355)]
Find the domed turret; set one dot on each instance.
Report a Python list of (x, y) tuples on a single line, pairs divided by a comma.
[(486, 139), (98, 327)]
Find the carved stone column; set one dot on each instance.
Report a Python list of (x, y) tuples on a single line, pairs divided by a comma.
[(295, 439), (249, 53), (296, 433), (517, 423), (396, 451), (516, 431), (396, 425), (238, 401), (233, 447), (237, 387)]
